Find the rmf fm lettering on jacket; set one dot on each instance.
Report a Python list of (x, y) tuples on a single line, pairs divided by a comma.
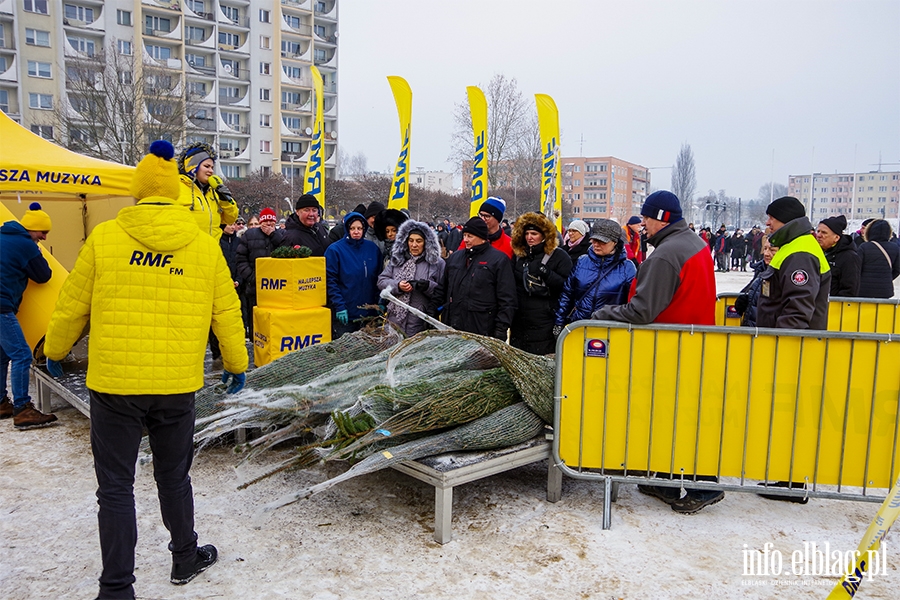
[(154, 259)]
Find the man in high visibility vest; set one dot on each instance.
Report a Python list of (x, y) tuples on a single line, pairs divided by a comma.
[(794, 292), (795, 285)]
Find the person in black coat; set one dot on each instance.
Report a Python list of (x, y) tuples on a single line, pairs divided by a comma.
[(454, 238), (256, 243), (303, 228), (540, 270), (477, 292), (879, 261), (840, 251), (738, 251), (229, 243)]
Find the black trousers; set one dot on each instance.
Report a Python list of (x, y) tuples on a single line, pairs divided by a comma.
[(116, 428)]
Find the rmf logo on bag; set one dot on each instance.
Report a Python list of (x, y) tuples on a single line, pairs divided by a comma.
[(267, 283), (291, 343)]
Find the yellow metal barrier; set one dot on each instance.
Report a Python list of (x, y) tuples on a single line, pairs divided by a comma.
[(869, 315), (742, 404)]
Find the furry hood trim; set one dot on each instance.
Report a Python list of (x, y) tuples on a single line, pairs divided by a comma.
[(400, 251), (545, 225)]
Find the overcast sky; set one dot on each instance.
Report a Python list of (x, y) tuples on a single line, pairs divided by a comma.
[(817, 82)]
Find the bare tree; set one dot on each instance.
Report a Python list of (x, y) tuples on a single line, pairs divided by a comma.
[(771, 191), (684, 180), (114, 107), (351, 166), (260, 190), (511, 122)]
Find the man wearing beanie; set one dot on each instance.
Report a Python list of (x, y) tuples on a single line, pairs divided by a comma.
[(794, 293), (204, 192), (491, 212), (22, 260), (303, 227), (151, 285), (477, 292), (840, 252), (674, 284)]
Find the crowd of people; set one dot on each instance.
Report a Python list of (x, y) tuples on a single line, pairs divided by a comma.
[(177, 271)]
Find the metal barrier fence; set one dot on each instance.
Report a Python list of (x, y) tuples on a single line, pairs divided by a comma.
[(872, 315), (744, 405)]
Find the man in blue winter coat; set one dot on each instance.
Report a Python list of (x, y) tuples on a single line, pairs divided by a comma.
[(22, 260), (352, 266)]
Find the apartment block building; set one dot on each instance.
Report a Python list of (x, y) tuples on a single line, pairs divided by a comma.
[(241, 68), (436, 181), (603, 187), (857, 196)]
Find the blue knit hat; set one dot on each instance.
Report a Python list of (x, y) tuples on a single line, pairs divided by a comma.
[(663, 206), (494, 206)]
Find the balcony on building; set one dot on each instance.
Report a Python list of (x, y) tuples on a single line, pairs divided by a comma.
[(296, 24), (325, 9), (234, 14), (233, 70), (164, 26), (298, 5), (232, 94), (325, 57), (202, 118), (201, 62), (83, 14), (232, 41), (9, 103), (162, 56), (325, 34), (200, 9)]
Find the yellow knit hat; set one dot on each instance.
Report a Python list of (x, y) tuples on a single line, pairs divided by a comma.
[(35, 219), (157, 173)]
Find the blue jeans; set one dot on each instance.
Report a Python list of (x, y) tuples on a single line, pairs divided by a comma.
[(14, 349)]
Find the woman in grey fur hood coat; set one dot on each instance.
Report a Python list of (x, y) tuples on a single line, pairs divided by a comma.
[(412, 273)]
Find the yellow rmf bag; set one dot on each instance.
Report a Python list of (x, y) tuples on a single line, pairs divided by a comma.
[(277, 331), (290, 282)]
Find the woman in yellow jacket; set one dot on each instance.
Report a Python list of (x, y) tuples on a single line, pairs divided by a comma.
[(203, 192), (151, 285)]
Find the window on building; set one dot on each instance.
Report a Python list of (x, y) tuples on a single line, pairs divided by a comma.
[(195, 60), (289, 48), (37, 37), (196, 34), (320, 7), (40, 101), (83, 45), (79, 13), (45, 131), (39, 69), (266, 171), (265, 94), (265, 120), (125, 47), (320, 30), (291, 148), (265, 68), (293, 123), (292, 71), (4, 101), (265, 16), (197, 88), (123, 17), (126, 78), (227, 38), (232, 67), (265, 146), (265, 42), (320, 55), (196, 6), (153, 23), (232, 13), (293, 21), (159, 52), (231, 171), (37, 6), (231, 119), (228, 91)]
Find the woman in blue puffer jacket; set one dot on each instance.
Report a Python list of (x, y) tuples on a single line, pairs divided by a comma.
[(600, 277), (352, 266)]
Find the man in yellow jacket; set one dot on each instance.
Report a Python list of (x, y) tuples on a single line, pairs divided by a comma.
[(204, 192), (151, 285)]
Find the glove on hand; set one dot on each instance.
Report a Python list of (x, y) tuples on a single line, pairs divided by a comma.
[(216, 183), (421, 285), (237, 382), (742, 303), (54, 368), (557, 329), (542, 269), (342, 317)]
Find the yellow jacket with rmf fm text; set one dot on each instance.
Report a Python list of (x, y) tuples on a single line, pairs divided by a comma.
[(208, 210), (151, 285)]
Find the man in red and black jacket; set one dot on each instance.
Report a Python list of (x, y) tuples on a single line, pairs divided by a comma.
[(675, 284)]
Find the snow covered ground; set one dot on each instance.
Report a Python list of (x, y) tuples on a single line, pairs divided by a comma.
[(371, 537)]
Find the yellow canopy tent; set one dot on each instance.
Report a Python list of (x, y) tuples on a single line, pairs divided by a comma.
[(78, 192)]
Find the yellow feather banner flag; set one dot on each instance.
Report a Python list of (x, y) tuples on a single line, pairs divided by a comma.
[(551, 192), (866, 555), (479, 110), (314, 178), (400, 188)]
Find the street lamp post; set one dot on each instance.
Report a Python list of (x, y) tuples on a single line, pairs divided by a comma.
[(291, 156)]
